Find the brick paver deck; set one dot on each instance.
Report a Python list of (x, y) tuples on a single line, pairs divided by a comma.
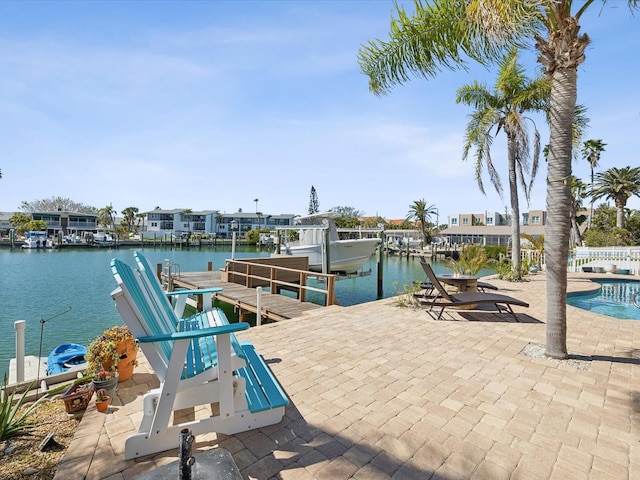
[(379, 391)]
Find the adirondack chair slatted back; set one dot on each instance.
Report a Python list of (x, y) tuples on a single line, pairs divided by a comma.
[(155, 289), (436, 283), (199, 355), (206, 349), (140, 300)]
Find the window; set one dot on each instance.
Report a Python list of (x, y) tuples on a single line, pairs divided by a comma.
[(465, 221), (535, 219), (489, 220), (454, 221)]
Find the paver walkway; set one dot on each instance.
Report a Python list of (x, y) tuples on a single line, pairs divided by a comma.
[(379, 391)]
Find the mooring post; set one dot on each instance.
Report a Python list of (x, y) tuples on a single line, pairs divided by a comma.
[(19, 326), (258, 306)]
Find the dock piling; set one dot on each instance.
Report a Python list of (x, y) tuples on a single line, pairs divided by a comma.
[(20, 326)]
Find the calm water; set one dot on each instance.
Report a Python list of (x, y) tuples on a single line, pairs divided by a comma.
[(613, 299), (37, 285)]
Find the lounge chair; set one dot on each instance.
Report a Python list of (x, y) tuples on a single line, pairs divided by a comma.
[(445, 299), (482, 286), (197, 365)]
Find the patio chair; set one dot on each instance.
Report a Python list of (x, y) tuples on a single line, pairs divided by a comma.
[(446, 300), (197, 365)]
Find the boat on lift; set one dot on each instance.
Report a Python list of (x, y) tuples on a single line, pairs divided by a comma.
[(37, 239), (345, 256)]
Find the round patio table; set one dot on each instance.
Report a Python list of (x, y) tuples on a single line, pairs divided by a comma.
[(464, 283)]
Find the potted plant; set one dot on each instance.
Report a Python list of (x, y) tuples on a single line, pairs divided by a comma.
[(114, 350), (102, 400), (107, 381)]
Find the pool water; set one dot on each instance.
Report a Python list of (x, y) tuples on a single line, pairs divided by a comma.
[(614, 299)]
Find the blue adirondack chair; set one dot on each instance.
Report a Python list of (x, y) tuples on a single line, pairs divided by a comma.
[(196, 365)]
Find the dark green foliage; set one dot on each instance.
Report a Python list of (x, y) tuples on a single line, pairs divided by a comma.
[(13, 421), (495, 252)]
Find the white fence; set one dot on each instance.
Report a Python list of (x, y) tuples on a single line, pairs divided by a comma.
[(626, 259)]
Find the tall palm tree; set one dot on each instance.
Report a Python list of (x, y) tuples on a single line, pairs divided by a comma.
[(591, 150), (421, 212), (504, 109), (443, 34), (617, 184)]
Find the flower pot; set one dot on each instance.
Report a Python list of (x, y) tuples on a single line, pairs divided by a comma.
[(109, 385), (127, 353), (103, 405)]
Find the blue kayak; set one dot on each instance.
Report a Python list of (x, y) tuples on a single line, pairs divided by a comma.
[(65, 357)]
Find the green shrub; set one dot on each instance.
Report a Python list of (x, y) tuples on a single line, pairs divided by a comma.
[(473, 258), (405, 297), (495, 252), (13, 421)]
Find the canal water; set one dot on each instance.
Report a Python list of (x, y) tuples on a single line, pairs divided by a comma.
[(37, 285)]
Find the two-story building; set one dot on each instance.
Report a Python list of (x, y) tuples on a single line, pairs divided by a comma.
[(211, 222), (491, 228)]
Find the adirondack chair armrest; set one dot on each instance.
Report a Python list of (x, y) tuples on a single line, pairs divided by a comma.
[(190, 334), (200, 291)]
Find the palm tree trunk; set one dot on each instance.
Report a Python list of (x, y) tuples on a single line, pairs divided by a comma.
[(591, 206), (516, 259), (620, 214), (563, 100)]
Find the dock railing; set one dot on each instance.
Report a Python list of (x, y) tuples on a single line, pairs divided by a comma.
[(276, 278)]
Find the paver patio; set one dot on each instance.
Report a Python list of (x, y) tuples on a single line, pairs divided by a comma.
[(381, 391)]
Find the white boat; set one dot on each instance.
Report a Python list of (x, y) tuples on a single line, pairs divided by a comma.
[(37, 239), (345, 256), (102, 238)]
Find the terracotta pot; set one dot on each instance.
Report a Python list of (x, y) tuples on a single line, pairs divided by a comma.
[(103, 405), (127, 353)]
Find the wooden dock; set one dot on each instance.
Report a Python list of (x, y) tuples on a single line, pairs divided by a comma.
[(273, 306)]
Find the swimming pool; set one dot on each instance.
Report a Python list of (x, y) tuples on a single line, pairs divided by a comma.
[(614, 299)]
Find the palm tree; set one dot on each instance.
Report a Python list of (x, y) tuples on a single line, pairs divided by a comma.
[(537, 245), (107, 216), (187, 213), (591, 150), (617, 184), (504, 109), (421, 212), (140, 223), (444, 34), (578, 193)]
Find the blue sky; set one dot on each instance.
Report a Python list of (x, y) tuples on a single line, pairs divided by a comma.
[(210, 105)]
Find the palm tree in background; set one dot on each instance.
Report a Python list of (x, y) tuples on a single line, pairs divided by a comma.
[(591, 150), (617, 184), (444, 34), (504, 109), (187, 212), (578, 194), (107, 217), (421, 212)]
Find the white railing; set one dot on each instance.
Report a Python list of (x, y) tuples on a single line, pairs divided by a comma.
[(622, 258)]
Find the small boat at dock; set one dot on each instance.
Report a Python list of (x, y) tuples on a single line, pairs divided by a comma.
[(67, 356)]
